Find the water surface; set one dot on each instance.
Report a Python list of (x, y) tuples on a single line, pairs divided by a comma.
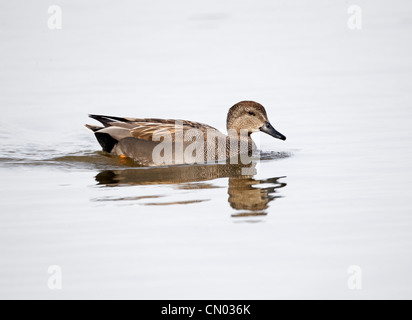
[(334, 195)]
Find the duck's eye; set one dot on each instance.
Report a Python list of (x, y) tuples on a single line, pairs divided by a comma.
[(252, 113)]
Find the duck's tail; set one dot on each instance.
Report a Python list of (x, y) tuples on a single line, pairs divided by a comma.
[(105, 139), (93, 128), (107, 120)]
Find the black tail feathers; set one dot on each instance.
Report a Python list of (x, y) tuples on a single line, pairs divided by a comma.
[(106, 120), (106, 141)]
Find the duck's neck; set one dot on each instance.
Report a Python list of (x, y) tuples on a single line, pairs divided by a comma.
[(239, 134), (242, 135), (239, 143)]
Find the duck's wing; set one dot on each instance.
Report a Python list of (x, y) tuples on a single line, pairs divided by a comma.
[(146, 128)]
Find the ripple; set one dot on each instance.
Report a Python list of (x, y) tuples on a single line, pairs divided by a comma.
[(111, 199), (274, 155), (175, 202), (66, 154)]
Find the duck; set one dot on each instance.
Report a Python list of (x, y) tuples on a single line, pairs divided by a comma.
[(157, 142)]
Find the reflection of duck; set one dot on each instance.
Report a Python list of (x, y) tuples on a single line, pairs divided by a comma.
[(245, 193), (139, 139), (171, 175)]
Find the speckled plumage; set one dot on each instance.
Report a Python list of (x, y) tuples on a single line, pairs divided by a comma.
[(138, 138)]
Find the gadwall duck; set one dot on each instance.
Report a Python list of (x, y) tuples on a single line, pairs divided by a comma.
[(154, 142)]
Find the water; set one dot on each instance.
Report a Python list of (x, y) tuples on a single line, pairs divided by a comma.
[(334, 195)]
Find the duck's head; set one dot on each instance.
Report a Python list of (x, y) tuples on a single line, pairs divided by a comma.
[(251, 116)]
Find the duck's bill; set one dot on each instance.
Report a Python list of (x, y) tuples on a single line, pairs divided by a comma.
[(267, 128)]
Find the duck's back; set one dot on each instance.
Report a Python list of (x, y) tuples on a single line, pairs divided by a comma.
[(138, 138)]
